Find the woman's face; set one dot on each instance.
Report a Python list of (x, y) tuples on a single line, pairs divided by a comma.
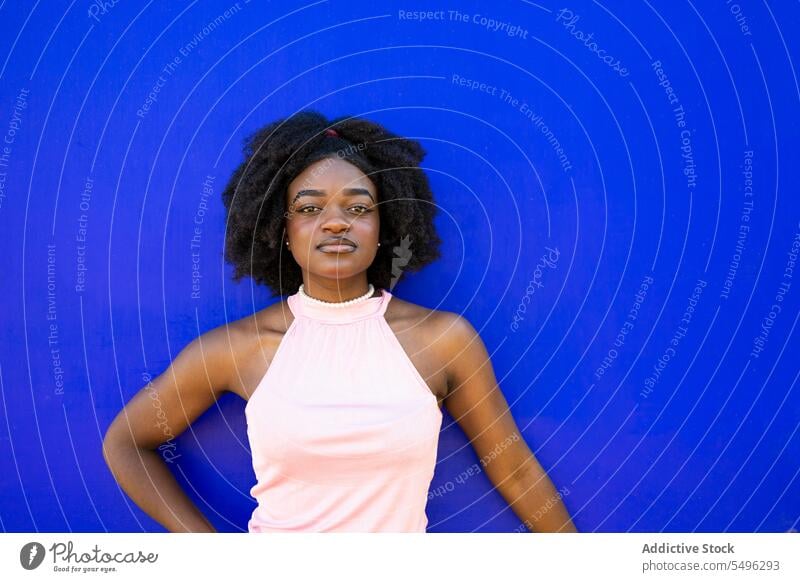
[(332, 221)]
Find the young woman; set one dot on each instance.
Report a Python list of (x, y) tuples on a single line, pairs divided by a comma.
[(344, 382)]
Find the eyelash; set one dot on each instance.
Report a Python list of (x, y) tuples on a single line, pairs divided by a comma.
[(366, 209)]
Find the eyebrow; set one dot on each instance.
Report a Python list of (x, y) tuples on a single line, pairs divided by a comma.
[(321, 194)]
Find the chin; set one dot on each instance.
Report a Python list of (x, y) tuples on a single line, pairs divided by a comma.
[(330, 271)]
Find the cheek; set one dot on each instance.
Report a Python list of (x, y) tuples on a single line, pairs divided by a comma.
[(368, 224), (298, 227)]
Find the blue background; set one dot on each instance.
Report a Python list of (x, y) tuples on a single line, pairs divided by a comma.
[(712, 446)]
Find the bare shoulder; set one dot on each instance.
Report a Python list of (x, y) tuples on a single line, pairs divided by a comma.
[(445, 331), (275, 318), (246, 346)]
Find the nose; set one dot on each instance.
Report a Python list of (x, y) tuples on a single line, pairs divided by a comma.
[(333, 219)]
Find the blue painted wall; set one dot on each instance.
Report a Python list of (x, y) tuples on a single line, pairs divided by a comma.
[(619, 204)]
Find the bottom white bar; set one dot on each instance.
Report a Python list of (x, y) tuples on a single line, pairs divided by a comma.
[(400, 556)]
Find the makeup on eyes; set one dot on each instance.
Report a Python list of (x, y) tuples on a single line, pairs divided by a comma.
[(366, 209), (321, 194)]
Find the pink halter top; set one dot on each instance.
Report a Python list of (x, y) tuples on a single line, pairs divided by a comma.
[(343, 429)]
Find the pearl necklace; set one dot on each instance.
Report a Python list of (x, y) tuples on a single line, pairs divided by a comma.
[(337, 304)]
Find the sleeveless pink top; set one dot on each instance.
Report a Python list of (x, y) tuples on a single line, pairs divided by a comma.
[(343, 429)]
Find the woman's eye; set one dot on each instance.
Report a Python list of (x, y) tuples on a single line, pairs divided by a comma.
[(359, 209)]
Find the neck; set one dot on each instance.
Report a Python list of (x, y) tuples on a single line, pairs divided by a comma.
[(337, 290)]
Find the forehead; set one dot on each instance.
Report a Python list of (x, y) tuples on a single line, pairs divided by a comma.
[(330, 174)]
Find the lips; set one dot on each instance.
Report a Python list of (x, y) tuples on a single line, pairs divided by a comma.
[(337, 249), (337, 245)]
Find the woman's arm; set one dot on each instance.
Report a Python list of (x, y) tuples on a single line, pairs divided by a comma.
[(157, 414), (475, 401)]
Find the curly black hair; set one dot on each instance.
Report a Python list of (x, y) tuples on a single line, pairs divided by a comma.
[(255, 196)]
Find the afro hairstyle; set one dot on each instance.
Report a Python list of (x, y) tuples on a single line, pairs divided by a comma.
[(255, 197)]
